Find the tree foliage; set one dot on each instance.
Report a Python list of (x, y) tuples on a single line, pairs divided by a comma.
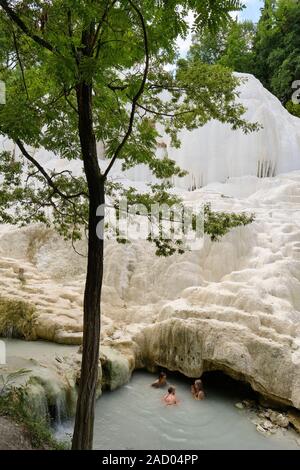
[(270, 50), (78, 72), (277, 47), (41, 100), (231, 47)]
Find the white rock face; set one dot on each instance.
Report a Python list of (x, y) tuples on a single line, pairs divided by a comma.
[(234, 305), (215, 152)]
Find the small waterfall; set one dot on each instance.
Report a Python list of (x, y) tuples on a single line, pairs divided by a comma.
[(37, 402), (59, 410), (50, 402), (266, 168)]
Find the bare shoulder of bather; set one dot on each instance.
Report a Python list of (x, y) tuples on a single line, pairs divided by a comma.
[(170, 398)]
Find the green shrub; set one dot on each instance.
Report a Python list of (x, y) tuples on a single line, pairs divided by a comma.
[(17, 319)]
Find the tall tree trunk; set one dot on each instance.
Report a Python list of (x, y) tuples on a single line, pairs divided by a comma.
[(84, 421)]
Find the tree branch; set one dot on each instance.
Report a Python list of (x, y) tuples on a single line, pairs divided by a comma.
[(70, 31), (137, 95), (66, 93), (47, 177), (18, 21), (20, 62), (117, 87), (96, 36), (168, 115)]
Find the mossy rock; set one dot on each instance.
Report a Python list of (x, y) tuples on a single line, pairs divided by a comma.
[(116, 370)]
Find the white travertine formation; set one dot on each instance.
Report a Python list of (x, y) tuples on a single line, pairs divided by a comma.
[(214, 152), (234, 305)]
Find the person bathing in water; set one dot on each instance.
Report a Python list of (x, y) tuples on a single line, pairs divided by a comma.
[(161, 381), (170, 398), (197, 390)]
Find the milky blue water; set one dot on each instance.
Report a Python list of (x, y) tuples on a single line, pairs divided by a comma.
[(134, 417)]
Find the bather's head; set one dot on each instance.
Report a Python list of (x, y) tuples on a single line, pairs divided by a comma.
[(171, 390), (198, 384), (162, 377)]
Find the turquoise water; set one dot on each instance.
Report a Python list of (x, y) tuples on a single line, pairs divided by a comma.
[(134, 417), (35, 349)]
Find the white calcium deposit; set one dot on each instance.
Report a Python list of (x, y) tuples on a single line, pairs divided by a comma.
[(214, 152), (233, 305)]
